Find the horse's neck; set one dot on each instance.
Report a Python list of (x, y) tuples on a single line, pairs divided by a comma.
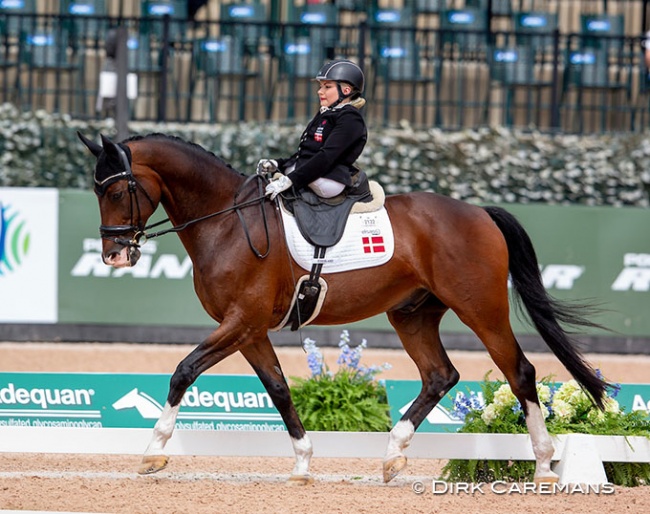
[(193, 185)]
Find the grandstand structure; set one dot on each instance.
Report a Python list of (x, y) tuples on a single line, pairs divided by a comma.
[(574, 66)]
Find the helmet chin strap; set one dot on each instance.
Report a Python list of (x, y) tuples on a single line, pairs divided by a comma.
[(341, 96)]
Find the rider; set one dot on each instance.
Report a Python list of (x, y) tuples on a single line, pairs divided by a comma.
[(333, 139)]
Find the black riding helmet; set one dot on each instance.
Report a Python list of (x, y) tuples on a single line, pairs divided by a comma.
[(342, 70)]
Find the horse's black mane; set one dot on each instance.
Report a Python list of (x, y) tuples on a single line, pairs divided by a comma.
[(193, 146)]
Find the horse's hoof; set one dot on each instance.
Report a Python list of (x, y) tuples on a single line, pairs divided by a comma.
[(152, 464), (300, 480), (393, 467), (546, 479)]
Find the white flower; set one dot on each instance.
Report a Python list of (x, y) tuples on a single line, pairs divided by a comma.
[(596, 416), (579, 398), (612, 406), (563, 409), (543, 392), (503, 397), (489, 414), (566, 390)]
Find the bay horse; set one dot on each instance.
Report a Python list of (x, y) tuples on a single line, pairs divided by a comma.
[(449, 255)]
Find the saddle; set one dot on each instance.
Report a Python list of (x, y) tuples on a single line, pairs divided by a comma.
[(321, 222)]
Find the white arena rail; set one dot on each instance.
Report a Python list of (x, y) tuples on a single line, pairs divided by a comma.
[(578, 458)]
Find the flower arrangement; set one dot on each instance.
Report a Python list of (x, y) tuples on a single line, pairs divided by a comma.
[(350, 399), (566, 408)]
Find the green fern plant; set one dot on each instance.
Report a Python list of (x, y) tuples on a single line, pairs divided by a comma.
[(348, 400)]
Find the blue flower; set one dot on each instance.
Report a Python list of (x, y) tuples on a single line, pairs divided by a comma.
[(464, 404), (348, 360), (350, 357), (314, 357)]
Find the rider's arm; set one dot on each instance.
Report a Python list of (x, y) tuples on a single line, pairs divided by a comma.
[(342, 144)]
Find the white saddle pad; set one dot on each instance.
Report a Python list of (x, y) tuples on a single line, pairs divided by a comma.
[(367, 241)]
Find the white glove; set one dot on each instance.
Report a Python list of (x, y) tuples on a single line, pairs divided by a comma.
[(278, 185), (267, 166)]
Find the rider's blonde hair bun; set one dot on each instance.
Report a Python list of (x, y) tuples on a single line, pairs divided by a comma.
[(358, 102)]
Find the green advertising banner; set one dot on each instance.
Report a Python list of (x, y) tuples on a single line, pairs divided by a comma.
[(213, 402), (158, 291), (112, 400), (401, 393), (596, 253)]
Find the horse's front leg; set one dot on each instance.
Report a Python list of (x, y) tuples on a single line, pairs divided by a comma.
[(263, 359), (154, 458), (216, 347)]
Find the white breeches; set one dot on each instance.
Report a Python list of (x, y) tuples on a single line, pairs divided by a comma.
[(326, 188)]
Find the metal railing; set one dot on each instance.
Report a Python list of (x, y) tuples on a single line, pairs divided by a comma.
[(445, 77)]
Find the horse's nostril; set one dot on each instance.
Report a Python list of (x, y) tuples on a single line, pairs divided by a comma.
[(112, 255)]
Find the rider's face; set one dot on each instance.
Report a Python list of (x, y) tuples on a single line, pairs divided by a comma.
[(328, 93)]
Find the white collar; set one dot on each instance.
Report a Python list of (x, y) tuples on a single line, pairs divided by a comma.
[(339, 106)]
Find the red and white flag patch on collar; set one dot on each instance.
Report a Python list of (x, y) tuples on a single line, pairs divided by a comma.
[(374, 244)]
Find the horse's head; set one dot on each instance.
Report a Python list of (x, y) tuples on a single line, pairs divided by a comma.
[(126, 200)]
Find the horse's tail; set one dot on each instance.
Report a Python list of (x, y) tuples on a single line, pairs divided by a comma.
[(546, 312)]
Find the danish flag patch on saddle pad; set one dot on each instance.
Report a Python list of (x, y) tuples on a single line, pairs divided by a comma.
[(367, 241)]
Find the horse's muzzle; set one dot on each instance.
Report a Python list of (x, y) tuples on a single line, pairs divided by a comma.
[(121, 256)]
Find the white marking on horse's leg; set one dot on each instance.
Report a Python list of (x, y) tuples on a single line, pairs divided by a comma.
[(163, 430), (399, 439), (395, 460), (303, 449), (541, 441)]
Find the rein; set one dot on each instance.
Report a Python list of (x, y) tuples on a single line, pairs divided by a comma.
[(112, 232), (236, 207)]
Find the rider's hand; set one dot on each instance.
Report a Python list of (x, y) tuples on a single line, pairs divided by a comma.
[(275, 187), (267, 166)]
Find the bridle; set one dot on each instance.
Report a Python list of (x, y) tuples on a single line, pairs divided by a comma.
[(140, 236), (114, 232)]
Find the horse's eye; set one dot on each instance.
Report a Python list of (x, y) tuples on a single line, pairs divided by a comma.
[(117, 195)]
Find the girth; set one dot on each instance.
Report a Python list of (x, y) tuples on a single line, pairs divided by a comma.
[(322, 223), (308, 293)]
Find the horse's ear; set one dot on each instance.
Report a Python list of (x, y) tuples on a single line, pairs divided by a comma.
[(94, 148), (120, 152), (109, 147)]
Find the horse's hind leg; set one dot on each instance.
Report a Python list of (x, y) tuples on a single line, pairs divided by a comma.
[(264, 361), (520, 374), (419, 332)]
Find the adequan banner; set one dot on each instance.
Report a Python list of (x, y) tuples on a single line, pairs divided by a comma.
[(123, 400), (213, 402)]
